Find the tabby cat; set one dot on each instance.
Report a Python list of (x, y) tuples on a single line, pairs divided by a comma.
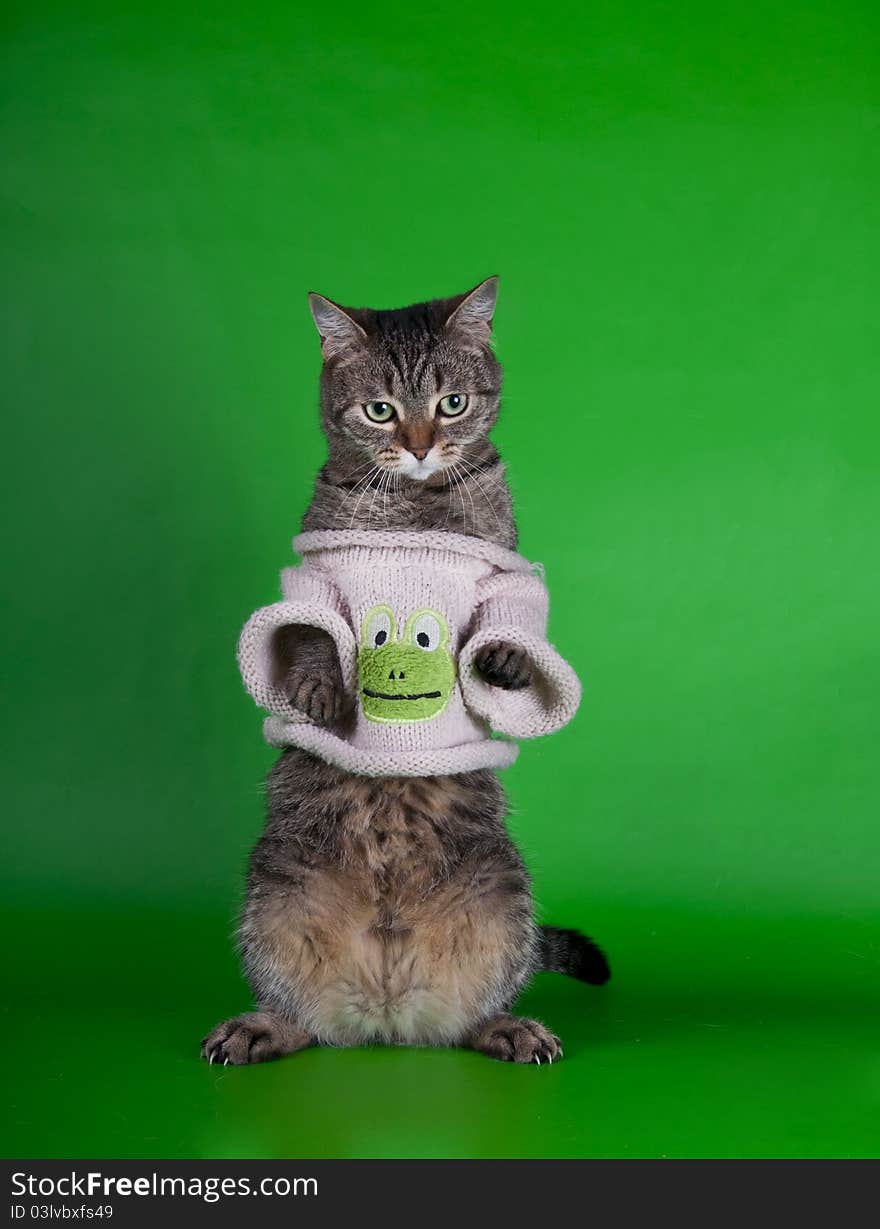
[(396, 909)]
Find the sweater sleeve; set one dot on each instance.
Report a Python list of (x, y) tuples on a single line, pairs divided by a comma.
[(513, 606), (309, 598)]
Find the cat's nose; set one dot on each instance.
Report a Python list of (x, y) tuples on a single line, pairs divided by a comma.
[(420, 453)]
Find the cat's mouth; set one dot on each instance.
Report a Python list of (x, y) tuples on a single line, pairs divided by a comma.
[(420, 468), (384, 695)]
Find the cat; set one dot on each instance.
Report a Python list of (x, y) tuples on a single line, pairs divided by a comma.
[(396, 909)]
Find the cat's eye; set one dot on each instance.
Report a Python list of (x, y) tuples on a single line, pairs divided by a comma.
[(426, 632), (378, 627), (379, 411), (453, 404)]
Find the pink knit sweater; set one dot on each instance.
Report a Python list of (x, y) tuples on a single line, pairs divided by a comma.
[(408, 613)]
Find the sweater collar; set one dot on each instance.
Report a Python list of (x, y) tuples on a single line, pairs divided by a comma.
[(419, 539)]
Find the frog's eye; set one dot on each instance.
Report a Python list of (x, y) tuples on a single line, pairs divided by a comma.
[(453, 404), (379, 411), (426, 632), (378, 628)]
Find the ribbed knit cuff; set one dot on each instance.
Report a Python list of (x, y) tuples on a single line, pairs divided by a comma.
[(546, 705)]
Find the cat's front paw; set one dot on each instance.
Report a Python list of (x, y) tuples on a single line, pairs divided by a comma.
[(322, 699), (504, 665)]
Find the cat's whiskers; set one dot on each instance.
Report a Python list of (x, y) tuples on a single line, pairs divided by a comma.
[(452, 487), (490, 478), (457, 486), (467, 490), (372, 503), (359, 486), (462, 489), (344, 497), (359, 469), (498, 483), (378, 490), (472, 476), (390, 474), (366, 486), (380, 486)]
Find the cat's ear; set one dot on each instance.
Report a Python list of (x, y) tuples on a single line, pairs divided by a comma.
[(473, 312), (336, 328)]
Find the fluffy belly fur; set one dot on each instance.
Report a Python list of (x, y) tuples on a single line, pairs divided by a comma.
[(410, 922)]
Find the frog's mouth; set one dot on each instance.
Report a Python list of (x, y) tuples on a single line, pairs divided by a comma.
[(384, 695)]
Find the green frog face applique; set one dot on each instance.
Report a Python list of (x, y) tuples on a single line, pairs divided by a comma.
[(409, 678)]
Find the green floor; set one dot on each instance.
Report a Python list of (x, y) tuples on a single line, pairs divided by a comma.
[(770, 1052)]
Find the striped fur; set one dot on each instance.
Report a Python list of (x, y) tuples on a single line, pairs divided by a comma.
[(379, 908)]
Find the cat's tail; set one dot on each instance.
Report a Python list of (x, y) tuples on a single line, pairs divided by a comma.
[(570, 952)]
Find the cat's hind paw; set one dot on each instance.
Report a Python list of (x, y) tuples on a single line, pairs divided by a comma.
[(254, 1037), (515, 1040)]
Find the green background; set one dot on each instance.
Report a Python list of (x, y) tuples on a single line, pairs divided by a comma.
[(682, 202)]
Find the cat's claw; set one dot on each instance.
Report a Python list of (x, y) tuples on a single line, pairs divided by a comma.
[(537, 1060), (253, 1037)]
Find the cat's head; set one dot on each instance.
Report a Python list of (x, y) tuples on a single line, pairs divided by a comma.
[(413, 391)]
